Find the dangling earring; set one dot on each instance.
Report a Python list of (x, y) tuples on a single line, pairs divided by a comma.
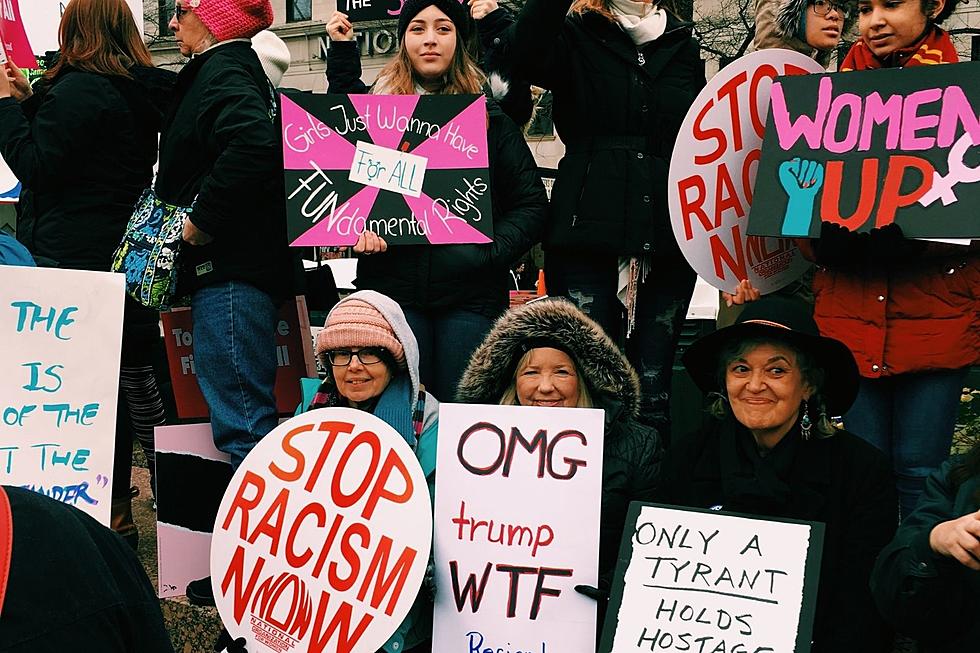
[(805, 423)]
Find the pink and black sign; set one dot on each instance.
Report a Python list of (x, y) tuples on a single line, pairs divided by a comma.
[(413, 169)]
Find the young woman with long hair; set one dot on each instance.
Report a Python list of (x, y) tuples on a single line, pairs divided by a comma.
[(450, 293), (81, 181)]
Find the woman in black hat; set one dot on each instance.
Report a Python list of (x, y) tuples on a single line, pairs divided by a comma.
[(773, 452)]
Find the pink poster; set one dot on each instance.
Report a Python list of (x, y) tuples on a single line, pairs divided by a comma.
[(14, 37), (412, 169)]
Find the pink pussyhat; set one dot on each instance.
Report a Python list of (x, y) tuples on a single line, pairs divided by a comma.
[(232, 19)]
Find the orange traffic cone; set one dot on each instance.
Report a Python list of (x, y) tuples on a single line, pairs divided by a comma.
[(542, 290)]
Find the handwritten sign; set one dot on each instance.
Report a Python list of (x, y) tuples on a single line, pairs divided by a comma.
[(516, 528), (191, 477), (323, 536), (294, 357), (712, 174), (363, 10), (697, 580), (868, 149), (411, 168), (59, 380)]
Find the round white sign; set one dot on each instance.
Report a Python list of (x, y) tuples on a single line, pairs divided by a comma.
[(712, 174), (323, 536)]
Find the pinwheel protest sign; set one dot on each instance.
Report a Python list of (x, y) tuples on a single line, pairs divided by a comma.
[(413, 169)]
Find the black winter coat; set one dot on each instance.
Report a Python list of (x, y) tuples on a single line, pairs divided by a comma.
[(512, 93), (618, 111), (84, 147), (472, 277), (841, 481), (221, 145), (930, 597)]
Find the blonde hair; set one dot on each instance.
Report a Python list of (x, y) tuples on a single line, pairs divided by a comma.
[(509, 398), (463, 76)]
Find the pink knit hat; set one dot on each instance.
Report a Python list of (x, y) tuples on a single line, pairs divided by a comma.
[(356, 323), (232, 19)]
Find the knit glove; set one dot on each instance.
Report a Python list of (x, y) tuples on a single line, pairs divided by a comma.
[(226, 643)]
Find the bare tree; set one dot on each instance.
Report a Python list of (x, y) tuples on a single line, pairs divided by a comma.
[(725, 28)]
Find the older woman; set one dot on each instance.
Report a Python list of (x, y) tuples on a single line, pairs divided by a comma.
[(927, 581), (373, 359), (773, 452), (220, 152), (549, 353)]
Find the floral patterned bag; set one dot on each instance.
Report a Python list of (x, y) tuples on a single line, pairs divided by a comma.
[(148, 253)]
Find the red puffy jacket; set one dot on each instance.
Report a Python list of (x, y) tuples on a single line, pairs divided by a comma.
[(919, 316)]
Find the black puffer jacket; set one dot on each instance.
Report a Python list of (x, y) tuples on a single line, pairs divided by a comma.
[(632, 452), (83, 177), (221, 145), (471, 277), (618, 110), (925, 595)]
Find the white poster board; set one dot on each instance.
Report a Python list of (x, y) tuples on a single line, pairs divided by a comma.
[(703, 580), (59, 382), (41, 20), (323, 536), (516, 528), (712, 174)]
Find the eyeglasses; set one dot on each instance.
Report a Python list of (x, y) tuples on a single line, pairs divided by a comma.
[(180, 10), (824, 7), (343, 357)]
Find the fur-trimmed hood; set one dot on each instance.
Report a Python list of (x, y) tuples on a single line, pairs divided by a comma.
[(788, 17), (610, 378)]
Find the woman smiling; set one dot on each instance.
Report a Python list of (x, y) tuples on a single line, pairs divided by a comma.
[(772, 452)]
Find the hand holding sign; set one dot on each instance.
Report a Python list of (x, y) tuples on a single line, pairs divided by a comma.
[(479, 9), (20, 88), (370, 243), (959, 539), (339, 28)]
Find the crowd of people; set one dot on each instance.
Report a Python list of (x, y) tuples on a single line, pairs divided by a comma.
[(833, 401)]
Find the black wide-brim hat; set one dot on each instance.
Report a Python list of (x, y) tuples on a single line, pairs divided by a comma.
[(787, 320)]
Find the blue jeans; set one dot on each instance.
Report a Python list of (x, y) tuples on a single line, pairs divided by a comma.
[(235, 360), (661, 306), (911, 418), (446, 340)]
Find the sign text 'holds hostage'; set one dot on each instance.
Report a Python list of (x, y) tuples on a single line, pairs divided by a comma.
[(59, 379), (323, 536), (869, 149), (712, 174), (698, 580), (411, 168), (516, 528)]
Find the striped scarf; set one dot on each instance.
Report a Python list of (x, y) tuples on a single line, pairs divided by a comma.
[(933, 48)]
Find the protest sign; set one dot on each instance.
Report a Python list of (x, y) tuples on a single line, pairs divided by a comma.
[(191, 479), (59, 379), (13, 36), (712, 174), (869, 149), (294, 356), (363, 10), (411, 168), (516, 528), (323, 536), (692, 580)]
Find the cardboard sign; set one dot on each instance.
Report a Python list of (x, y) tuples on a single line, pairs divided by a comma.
[(516, 528), (690, 580), (59, 383), (363, 10), (192, 477), (323, 536), (712, 174), (868, 149), (294, 354), (13, 36), (411, 168)]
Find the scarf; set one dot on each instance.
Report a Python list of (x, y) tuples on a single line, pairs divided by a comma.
[(935, 47), (395, 406), (643, 22), (632, 272), (752, 482)]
